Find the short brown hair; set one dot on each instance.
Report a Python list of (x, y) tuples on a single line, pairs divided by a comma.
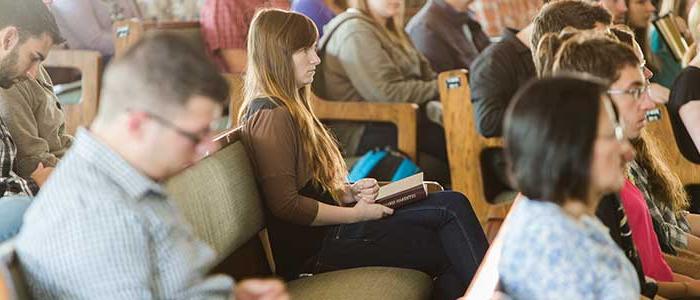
[(31, 17), (557, 15), (160, 74), (598, 55)]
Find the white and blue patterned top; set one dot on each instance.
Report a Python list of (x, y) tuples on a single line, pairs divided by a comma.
[(548, 254), (100, 229)]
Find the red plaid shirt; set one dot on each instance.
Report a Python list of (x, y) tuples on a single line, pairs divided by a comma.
[(225, 24)]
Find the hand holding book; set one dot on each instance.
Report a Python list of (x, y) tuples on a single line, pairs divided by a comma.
[(365, 211), (403, 192), (363, 190)]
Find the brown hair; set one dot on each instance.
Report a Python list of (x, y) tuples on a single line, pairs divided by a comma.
[(274, 36), (623, 33), (394, 27), (31, 17), (664, 184), (596, 53), (556, 15)]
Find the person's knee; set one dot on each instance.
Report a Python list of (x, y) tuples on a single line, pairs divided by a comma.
[(455, 201), (11, 216)]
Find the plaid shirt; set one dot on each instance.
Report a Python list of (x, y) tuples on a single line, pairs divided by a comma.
[(225, 23), (674, 228), (102, 230), (11, 183)]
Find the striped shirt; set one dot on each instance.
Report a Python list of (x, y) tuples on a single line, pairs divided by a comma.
[(10, 182), (225, 24), (102, 230), (674, 227)]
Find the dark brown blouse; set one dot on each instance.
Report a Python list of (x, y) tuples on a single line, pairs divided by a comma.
[(284, 177)]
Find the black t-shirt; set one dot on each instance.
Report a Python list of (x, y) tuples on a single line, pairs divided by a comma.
[(686, 88)]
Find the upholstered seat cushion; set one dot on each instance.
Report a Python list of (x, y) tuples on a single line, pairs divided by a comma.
[(219, 197), (364, 283)]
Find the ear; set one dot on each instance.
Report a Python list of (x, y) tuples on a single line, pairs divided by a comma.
[(9, 38), (136, 122)]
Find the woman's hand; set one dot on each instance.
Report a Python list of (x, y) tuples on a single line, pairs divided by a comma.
[(261, 289), (366, 211), (362, 190)]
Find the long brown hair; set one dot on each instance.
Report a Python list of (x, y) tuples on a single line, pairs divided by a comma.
[(274, 36), (394, 27), (664, 184)]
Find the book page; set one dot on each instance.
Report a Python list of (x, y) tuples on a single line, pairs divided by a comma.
[(401, 185)]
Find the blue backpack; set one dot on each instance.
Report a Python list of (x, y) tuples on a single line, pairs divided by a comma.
[(383, 165)]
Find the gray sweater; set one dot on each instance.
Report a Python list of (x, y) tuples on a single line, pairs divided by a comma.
[(36, 122), (361, 62)]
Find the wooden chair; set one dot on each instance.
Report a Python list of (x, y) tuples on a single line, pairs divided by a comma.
[(662, 131), (90, 65), (235, 82), (403, 115), (128, 32), (465, 145)]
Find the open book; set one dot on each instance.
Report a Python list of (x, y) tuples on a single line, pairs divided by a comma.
[(403, 192), (671, 35)]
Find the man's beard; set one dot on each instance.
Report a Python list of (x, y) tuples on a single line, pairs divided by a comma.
[(8, 66)]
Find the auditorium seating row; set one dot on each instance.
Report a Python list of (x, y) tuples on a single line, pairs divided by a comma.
[(231, 219)]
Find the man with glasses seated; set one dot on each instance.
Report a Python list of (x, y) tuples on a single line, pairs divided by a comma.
[(103, 227)]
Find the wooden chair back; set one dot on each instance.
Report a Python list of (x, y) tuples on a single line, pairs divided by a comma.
[(90, 65), (403, 115), (464, 143), (235, 82), (662, 132), (128, 32)]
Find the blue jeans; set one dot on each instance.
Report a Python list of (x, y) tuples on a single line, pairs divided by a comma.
[(440, 236), (12, 210)]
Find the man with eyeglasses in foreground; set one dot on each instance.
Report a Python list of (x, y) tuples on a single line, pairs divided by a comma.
[(103, 226)]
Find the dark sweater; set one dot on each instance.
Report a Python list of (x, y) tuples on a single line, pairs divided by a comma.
[(284, 176)]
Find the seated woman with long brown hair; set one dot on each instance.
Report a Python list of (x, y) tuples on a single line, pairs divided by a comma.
[(317, 221)]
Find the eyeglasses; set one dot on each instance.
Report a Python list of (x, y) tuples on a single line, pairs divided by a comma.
[(618, 129), (196, 138), (636, 92)]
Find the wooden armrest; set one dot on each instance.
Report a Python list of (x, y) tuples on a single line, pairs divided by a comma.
[(403, 115), (90, 65)]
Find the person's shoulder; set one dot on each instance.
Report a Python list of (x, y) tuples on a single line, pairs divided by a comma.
[(533, 220)]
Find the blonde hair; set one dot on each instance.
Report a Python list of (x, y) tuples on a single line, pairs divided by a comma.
[(274, 36), (394, 27)]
